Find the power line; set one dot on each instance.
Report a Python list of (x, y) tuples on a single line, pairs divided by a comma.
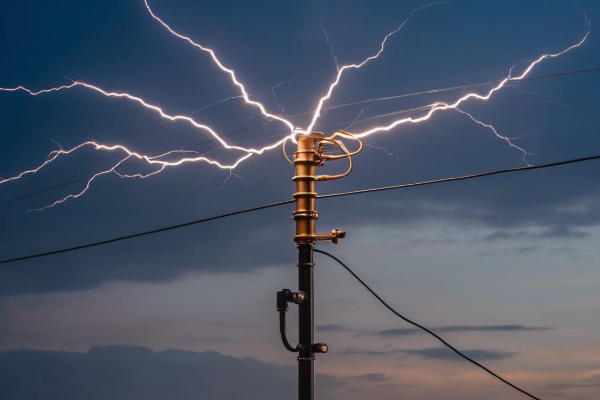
[(135, 235), (425, 329), (461, 178), (583, 71), (450, 88), (280, 203), (426, 107)]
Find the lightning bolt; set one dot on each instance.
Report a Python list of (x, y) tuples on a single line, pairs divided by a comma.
[(161, 163), (341, 70), (454, 106)]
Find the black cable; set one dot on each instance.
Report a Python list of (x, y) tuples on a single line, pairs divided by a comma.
[(286, 344), (460, 178), (326, 196), (168, 228), (425, 329)]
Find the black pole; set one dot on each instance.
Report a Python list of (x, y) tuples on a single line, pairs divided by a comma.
[(306, 380), (308, 157)]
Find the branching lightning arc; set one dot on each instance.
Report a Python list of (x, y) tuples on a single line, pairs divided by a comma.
[(161, 161)]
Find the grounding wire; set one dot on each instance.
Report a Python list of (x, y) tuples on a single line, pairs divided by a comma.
[(423, 328), (280, 203)]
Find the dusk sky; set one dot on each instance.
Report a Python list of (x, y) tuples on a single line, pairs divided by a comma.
[(506, 268)]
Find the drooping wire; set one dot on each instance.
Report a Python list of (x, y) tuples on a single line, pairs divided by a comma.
[(280, 203), (425, 329)]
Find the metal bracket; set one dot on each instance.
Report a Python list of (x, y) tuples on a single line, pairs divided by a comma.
[(334, 237)]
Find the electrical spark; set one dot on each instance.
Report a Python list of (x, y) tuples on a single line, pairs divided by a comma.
[(231, 174), (206, 180), (490, 127), (337, 66), (218, 102), (372, 145), (358, 116), (535, 95), (228, 71), (317, 112), (454, 106), (163, 161)]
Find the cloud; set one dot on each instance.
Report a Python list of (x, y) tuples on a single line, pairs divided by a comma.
[(374, 377), (138, 373), (588, 382), (399, 332), (566, 386), (459, 328), (333, 328), (563, 232), (437, 353), (442, 353), (354, 350), (560, 200)]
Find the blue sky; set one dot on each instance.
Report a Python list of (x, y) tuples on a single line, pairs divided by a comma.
[(504, 267)]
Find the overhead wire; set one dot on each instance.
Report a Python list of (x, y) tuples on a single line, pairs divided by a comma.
[(135, 235), (468, 86), (450, 88), (461, 178), (445, 343), (280, 203)]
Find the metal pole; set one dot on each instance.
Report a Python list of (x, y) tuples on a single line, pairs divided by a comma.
[(305, 162), (306, 159), (306, 375)]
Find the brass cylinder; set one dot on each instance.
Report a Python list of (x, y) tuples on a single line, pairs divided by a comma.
[(306, 160)]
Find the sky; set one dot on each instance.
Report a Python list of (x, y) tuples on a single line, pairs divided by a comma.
[(503, 267)]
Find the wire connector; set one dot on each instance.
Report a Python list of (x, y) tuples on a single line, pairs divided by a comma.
[(286, 295)]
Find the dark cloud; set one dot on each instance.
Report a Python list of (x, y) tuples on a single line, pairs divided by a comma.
[(438, 353), (527, 249), (589, 382), (375, 377), (460, 328), (397, 332), (354, 350), (552, 232), (442, 353), (126, 372), (566, 386), (333, 328), (131, 54), (133, 372)]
